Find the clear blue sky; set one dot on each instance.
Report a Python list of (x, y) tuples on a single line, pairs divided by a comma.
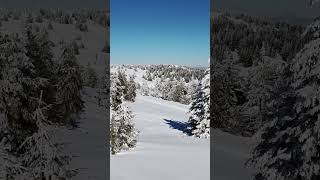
[(160, 31)]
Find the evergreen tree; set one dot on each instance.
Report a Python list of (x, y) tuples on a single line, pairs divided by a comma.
[(69, 86), (42, 158), (39, 50), (191, 89), (289, 146), (200, 109), (196, 109), (264, 80), (122, 132), (131, 90), (18, 86), (227, 95), (178, 92)]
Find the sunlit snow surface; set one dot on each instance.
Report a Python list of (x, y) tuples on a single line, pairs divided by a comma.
[(163, 150)]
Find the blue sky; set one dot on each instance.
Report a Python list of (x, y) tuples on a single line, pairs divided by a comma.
[(160, 31)]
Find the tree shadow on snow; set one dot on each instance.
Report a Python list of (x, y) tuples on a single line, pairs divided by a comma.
[(181, 126)]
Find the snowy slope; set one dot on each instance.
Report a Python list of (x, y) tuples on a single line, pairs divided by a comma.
[(230, 154), (87, 143), (93, 40), (138, 74), (163, 151)]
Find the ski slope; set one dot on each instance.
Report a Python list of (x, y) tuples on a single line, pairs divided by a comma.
[(163, 150)]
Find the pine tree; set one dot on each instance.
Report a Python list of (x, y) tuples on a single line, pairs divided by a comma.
[(264, 80), (227, 95), (131, 90), (39, 50), (178, 92), (191, 89), (122, 132), (289, 146), (200, 109), (69, 85), (196, 109), (42, 158), (18, 87), (116, 89)]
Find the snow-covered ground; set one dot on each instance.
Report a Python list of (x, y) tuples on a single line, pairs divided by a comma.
[(229, 156), (88, 142), (163, 150)]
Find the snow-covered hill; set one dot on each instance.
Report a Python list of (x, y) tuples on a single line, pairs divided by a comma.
[(163, 81), (94, 40), (163, 150)]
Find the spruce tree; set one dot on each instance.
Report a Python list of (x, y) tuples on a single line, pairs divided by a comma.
[(227, 95), (69, 85), (39, 50), (289, 142), (123, 134), (42, 157), (196, 109), (18, 87), (200, 109), (131, 90)]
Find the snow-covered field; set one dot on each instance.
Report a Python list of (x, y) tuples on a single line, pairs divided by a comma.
[(229, 156), (87, 143), (163, 150)]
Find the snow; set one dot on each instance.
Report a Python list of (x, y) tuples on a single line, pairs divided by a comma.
[(230, 154), (139, 73), (93, 40), (87, 143), (163, 151)]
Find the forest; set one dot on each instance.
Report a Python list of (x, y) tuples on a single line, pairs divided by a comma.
[(265, 85)]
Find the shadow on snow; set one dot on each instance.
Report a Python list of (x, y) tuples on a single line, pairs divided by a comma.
[(181, 126)]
